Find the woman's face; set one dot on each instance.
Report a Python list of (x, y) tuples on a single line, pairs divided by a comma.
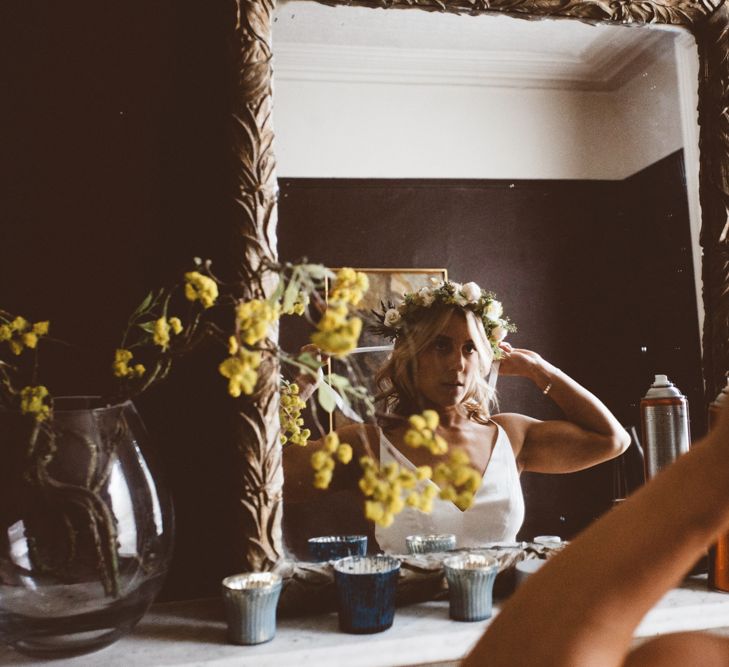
[(448, 366)]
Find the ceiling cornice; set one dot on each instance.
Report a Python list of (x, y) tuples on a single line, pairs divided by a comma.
[(604, 66)]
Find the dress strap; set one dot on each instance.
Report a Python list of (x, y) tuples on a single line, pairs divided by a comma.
[(393, 451)]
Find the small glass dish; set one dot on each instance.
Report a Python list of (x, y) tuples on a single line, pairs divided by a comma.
[(424, 544)]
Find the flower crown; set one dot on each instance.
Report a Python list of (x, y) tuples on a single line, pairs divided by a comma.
[(393, 320)]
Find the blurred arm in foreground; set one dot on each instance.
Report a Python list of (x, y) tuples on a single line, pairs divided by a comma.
[(584, 605)]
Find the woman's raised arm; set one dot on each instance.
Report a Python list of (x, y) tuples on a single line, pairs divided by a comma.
[(589, 434)]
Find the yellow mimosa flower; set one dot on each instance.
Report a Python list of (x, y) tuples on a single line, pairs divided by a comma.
[(19, 324), (322, 479), (344, 453), (431, 419), (175, 325), (331, 442), (241, 371), (161, 333), (32, 402), (200, 288), (319, 459), (423, 472), (30, 340), (464, 500), (41, 328), (121, 368)]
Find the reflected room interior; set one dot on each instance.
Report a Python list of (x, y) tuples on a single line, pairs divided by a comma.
[(554, 163), (565, 182)]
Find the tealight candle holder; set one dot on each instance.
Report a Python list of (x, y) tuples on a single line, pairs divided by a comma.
[(332, 547), (470, 585), (366, 587), (250, 601), (423, 544), (525, 569)]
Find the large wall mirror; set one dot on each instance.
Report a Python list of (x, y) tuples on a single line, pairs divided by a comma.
[(567, 183), (554, 162), (332, 141)]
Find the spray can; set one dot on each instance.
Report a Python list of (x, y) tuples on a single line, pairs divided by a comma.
[(719, 552), (664, 416)]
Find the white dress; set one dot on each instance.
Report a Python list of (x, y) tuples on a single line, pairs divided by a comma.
[(495, 516)]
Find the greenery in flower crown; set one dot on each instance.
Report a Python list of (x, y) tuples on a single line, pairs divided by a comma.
[(393, 320)]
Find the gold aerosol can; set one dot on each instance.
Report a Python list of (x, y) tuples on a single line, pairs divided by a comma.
[(719, 552), (665, 420)]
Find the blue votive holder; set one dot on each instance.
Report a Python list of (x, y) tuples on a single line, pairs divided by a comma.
[(250, 601), (470, 586), (424, 544), (366, 587), (333, 547)]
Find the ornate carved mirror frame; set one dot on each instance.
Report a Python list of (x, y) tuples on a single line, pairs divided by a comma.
[(253, 206)]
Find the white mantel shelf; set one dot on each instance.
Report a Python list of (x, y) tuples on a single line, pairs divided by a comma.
[(193, 633)]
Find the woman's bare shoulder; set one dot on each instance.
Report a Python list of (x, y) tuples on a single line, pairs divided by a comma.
[(362, 437), (516, 427), (513, 420)]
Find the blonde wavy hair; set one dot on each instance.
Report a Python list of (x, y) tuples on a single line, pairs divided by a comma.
[(396, 379)]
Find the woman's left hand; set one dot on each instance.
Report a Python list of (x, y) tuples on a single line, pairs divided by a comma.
[(519, 362)]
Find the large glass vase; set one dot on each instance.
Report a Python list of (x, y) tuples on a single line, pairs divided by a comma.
[(86, 528)]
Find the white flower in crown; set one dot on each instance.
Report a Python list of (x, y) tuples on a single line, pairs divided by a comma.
[(392, 317), (472, 292), (498, 333), (426, 296), (494, 310)]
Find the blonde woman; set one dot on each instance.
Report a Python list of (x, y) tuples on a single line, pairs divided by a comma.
[(445, 341)]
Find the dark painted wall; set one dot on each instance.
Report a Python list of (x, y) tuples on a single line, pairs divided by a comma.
[(592, 272), (114, 173)]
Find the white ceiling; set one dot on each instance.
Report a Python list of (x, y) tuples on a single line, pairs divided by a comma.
[(315, 41)]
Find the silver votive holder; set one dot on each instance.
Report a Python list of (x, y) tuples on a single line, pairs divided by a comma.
[(333, 547), (424, 544), (525, 569), (250, 601), (470, 586), (366, 587)]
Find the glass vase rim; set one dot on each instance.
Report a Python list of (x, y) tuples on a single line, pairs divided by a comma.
[(95, 403)]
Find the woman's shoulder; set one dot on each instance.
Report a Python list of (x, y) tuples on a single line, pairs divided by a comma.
[(363, 437), (516, 427)]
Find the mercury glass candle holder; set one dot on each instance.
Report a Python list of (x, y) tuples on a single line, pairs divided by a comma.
[(470, 585), (366, 587), (526, 568), (250, 601), (332, 547), (423, 544)]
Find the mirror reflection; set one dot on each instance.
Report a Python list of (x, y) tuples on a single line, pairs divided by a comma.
[(552, 163)]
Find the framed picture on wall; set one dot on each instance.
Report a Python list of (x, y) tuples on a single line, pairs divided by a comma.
[(386, 285), (390, 285)]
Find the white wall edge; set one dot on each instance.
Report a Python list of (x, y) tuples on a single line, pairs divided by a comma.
[(688, 78)]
